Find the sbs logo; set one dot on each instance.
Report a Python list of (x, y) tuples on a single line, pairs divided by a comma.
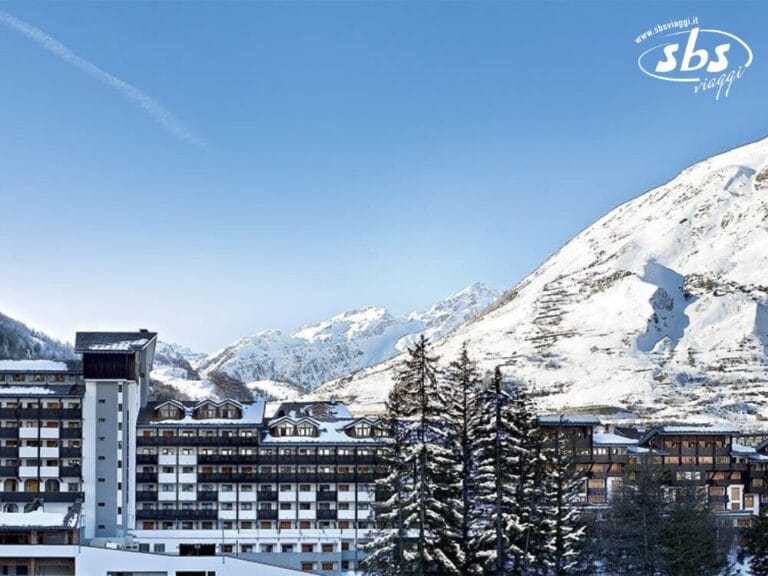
[(710, 59)]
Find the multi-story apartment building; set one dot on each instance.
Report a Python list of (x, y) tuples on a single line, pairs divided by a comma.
[(707, 456), (294, 489), (87, 460)]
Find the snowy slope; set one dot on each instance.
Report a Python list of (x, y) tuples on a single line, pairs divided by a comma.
[(660, 307), (19, 341), (342, 344)]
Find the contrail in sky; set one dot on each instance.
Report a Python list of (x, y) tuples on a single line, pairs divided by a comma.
[(162, 116)]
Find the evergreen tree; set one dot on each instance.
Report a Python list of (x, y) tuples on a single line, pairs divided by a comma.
[(423, 477), (529, 525), (498, 452), (688, 539), (632, 532), (757, 546), (386, 550), (564, 553), (462, 383)]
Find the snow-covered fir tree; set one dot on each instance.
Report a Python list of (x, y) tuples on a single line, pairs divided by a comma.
[(425, 475), (385, 553), (562, 485), (460, 389), (496, 518)]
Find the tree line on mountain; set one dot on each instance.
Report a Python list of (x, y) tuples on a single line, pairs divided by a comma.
[(477, 488), (18, 342)]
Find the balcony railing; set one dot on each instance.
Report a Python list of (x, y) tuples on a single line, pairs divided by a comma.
[(146, 458), (146, 496), (326, 495), (263, 514), (9, 452), (267, 495), (69, 452), (71, 433), (326, 514), (9, 471), (207, 495), (9, 432), (146, 477), (177, 514), (70, 471)]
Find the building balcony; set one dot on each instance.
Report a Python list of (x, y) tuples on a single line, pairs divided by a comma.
[(71, 471), (45, 496), (71, 414), (49, 471), (69, 452), (33, 433), (222, 459), (150, 477), (207, 496), (71, 433), (326, 496), (9, 471), (9, 452), (146, 459), (326, 514), (177, 514), (264, 514), (267, 495), (146, 496), (9, 432), (224, 441)]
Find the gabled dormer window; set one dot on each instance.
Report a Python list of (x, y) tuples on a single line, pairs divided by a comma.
[(169, 411), (284, 430), (305, 429), (362, 430)]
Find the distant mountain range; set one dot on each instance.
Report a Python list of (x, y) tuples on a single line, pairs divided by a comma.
[(281, 366)]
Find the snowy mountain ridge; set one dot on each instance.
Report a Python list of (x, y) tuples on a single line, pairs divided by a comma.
[(342, 344), (282, 366), (659, 308)]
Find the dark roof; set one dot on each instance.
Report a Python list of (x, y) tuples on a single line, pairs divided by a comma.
[(113, 341)]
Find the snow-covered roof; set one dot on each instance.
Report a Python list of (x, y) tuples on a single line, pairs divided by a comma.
[(612, 439), (749, 452), (112, 341), (24, 390), (38, 518), (568, 419), (252, 415), (717, 428), (327, 433), (33, 366)]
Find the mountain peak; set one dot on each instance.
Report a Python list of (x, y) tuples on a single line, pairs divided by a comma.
[(660, 307)]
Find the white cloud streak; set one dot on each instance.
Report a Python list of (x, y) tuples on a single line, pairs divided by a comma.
[(157, 111)]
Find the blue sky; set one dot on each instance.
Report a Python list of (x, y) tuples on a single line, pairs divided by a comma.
[(345, 153)]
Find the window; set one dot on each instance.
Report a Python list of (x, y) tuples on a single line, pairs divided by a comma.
[(158, 548), (307, 548), (327, 548)]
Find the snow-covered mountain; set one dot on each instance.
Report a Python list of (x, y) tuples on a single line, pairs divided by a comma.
[(19, 341), (659, 308), (343, 344)]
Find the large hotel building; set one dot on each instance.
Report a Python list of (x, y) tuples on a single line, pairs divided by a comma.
[(102, 480)]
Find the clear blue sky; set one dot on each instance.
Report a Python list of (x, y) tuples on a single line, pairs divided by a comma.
[(346, 153)]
